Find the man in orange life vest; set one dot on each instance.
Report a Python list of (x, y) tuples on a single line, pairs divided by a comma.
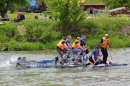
[(62, 49), (77, 49), (104, 45)]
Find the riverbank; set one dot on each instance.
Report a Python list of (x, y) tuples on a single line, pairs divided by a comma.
[(31, 34)]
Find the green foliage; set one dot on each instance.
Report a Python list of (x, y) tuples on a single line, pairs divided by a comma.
[(8, 27), (92, 42), (20, 38), (31, 46), (115, 42), (46, 33), (69, 13), (6, 5), (13, 44), (88, 26), (7, 31), (117, 3), (1, 45), (42, 31), (4, 38)]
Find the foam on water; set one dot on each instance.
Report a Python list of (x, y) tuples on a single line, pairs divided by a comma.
[(6, 62)]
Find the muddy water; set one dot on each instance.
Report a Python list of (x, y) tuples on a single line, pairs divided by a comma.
[(116, 76)]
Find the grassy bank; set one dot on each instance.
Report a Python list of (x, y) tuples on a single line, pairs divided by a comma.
[(33, 34)]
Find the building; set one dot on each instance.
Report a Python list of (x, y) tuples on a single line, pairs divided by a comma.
[(98, 5)]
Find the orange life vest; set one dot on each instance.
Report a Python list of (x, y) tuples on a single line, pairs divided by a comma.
[(60, 45), (76, 45), (105, 42)]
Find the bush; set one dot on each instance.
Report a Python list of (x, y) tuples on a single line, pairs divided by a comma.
[(42, 31), (31, 46), (46, 34)]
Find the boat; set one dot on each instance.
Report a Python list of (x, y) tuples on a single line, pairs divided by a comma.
[(24, 63), (52, 64)]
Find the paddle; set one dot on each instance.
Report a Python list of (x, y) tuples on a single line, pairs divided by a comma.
[(110, 55), (92, 64)]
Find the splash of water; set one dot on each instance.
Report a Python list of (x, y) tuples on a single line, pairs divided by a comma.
[(7, 62)]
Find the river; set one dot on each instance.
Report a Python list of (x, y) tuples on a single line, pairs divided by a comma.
[(116, 76)]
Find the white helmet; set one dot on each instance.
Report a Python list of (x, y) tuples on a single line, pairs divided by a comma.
[(106, 35)]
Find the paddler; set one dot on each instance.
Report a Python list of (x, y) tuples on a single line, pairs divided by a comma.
[(104, 45), (95, 56)]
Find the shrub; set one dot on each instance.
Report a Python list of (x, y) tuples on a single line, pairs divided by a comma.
[(27, 46)]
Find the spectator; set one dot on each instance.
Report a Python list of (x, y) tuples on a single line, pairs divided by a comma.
[(41, 17), (36, 17), (45, 17), (0, 20), (0, 16), (21, 17), (50, 18), (18, 15), (6, 16)]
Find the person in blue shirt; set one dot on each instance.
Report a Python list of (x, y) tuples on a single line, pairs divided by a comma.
[(68, 41), (69, 37), (83, 45), (82, 40), (94, 56), (21, 17)]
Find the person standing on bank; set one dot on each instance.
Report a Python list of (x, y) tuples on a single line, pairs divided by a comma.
[(104, 45)]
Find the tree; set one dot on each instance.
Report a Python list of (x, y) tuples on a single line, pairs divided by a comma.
[(41, 4), (5, 5), (68, 12), (117, 3)]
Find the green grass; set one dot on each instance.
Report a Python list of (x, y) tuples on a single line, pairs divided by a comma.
[(27, 15), (48, 35)]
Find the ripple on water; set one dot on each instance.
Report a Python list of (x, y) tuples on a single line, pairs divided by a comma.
[(116, 76)]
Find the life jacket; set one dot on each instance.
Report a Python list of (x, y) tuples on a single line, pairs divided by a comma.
[(76, 45), (61, 45), (95, 53), (105, 41)]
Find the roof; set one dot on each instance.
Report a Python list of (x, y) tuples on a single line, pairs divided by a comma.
[(98, 3)]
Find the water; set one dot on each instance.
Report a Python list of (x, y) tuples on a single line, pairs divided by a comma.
[(116, 76)]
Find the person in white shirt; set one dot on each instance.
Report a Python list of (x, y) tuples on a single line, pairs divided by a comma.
[(41, 17), (0, 16)]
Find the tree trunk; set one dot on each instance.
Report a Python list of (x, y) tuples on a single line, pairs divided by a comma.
[(44, 6), (5, 9)]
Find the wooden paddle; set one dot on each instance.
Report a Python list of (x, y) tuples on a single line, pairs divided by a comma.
[(92, 65), (95, 62), (110, 55)]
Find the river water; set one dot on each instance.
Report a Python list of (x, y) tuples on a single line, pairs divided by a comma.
[(115, 76)]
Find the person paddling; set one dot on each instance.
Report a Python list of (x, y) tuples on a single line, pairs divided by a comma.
[(94, 56), (104, 45)]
